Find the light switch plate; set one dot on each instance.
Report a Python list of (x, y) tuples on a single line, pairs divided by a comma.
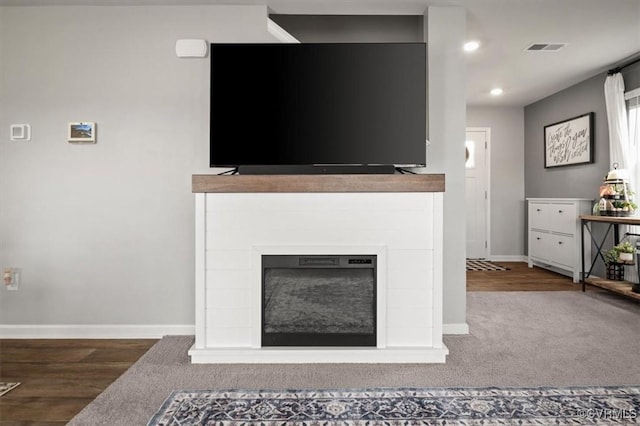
[(20, 132)]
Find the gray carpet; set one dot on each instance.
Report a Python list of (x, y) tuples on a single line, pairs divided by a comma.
[(517, 339)]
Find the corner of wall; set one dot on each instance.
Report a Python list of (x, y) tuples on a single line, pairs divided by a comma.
[(445, 29)]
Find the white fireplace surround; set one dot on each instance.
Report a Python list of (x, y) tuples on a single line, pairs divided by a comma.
[(234, 231)]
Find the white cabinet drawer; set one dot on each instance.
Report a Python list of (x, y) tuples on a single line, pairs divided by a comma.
[(539, 245), (553, 248), (562, 250), (563, 218), (539, 215)]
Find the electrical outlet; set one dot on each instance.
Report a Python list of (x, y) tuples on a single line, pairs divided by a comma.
[(11, 278)]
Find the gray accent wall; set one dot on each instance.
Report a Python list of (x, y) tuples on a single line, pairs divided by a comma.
[(506, 186), (352, 28), (577, 181), (631, 76)]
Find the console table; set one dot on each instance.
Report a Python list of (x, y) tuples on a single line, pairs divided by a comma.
[(613, 222)]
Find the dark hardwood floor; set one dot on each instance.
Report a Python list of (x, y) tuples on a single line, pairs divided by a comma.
[(60, 377), (519, 277)]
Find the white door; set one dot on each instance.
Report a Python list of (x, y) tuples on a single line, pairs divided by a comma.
[(476, 182)]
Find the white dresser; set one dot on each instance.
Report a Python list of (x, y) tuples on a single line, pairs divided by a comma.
[(554, 234)]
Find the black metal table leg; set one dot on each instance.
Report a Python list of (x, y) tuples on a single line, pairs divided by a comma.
[(597, 245), (583, 224)]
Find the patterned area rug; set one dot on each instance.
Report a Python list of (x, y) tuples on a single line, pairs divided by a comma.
[(6, 387), (483, 265), (403, 406)]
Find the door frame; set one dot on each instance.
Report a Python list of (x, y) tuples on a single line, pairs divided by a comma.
[(487, 177)]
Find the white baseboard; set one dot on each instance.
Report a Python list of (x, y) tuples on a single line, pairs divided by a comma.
[(461, 328), (91, 331), (508, 258)]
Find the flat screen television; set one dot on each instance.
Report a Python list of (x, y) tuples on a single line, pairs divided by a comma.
[(281, 107)]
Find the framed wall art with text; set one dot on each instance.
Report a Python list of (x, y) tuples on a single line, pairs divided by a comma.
[(569, 142)]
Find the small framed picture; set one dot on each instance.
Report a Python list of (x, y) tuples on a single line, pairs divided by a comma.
[(82, 132)]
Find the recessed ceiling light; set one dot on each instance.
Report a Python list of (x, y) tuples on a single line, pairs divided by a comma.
[(471, 46), (496, 91)]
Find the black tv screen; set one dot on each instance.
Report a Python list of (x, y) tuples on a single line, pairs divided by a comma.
[(318, 104)]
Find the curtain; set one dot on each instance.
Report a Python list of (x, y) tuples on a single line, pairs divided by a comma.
[(633, 108), (623, 147), (617, 119)]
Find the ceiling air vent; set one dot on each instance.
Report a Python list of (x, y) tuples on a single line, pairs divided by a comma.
[(545, 47)]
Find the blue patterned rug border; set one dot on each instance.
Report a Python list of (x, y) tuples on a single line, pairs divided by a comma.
[(573, 405)]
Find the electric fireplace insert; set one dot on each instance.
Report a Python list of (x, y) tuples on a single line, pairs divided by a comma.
[(319, 300)]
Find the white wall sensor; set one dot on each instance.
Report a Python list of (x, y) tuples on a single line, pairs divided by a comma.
[(191, 48), (20, 132)]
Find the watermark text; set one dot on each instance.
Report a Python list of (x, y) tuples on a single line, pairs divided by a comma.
[(607, 414)]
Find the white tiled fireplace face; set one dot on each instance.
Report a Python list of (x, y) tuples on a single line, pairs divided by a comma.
[(234, 231)]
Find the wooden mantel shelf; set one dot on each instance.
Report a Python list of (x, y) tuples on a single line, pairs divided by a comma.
[(319, 183)]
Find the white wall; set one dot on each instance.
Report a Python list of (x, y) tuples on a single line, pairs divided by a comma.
[(104, 233), (507, 177), (445, 32)]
